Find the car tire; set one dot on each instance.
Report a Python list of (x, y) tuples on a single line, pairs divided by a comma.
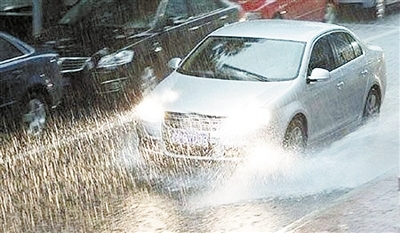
[(330, 15), (296, 135), (372, 104), (277, 16), (376, 12), (380, 9), (34, 113)]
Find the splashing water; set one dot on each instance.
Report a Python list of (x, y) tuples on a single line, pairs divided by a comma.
[(351, 161)]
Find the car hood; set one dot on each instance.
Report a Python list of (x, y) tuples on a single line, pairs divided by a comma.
[(188, 94)]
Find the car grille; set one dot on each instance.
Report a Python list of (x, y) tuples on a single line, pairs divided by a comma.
[(189, 150), (194, 123), (73, 64)]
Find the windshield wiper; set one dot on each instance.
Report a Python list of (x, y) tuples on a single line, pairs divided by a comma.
[(255, 76), (197, 73)]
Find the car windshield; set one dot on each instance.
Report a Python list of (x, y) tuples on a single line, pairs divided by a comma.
[(116, 13), (246, 59)]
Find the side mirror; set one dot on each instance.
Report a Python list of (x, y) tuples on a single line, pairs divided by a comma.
[(318, 75), (174, 63)]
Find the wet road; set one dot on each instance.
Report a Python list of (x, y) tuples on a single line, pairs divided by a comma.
[(269, 198)]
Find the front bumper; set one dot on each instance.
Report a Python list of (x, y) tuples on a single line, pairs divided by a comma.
[(157, 148), (154, 141)]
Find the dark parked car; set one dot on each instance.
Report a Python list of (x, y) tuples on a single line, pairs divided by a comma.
[(30, 83), (110, 45)]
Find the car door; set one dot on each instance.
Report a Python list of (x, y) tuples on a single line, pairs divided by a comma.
[(354, 68), (323, 97), (12, 73)]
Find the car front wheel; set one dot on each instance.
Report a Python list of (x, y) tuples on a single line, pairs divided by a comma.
[(34, 114), (296, 136), (379, 9), (372, 104)]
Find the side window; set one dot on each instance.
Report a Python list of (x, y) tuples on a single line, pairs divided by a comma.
[(344, 49), (177, 10), (8, 50), (199, 7), (354, 44), (321, 56)]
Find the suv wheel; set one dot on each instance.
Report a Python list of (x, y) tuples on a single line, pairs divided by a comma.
[(380, 9), (34, 113)]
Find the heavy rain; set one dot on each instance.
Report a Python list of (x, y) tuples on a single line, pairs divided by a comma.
[(84, 172)]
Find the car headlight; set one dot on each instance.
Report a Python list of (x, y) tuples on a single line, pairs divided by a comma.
[(116, 59), (150, 110)]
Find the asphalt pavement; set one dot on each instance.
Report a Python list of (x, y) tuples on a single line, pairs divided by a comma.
[(372, 208)]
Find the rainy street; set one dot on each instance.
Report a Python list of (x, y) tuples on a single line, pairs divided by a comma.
[(265, 196), (85, 174)]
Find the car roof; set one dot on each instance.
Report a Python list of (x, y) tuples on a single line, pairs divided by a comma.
[(295, 30)]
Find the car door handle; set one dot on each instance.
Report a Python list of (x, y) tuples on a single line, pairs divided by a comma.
[(224, 17), (195, 28), (364, 72), (157, 47), (340, 84)]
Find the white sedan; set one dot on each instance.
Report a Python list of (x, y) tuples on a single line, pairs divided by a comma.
[(279, 82)]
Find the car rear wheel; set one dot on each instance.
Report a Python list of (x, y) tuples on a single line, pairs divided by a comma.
[(372, 104), (34, 113), (296, 135), (380, 9), (330, 13)]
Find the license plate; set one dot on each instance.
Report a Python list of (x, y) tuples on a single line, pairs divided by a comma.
[(191, 138)]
